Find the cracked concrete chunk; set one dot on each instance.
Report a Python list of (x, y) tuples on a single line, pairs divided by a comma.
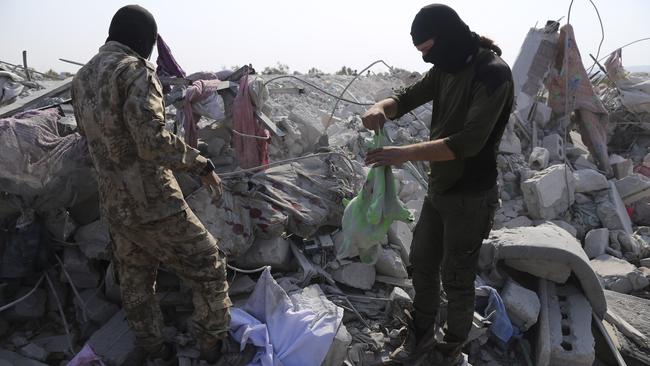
[(596, 241), (618, 275), (549, 193)]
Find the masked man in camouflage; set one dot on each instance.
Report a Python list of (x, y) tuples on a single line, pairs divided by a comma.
[(119, 108)]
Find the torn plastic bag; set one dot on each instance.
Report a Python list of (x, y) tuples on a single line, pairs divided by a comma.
[(368, 216), (490, 305), (287, 331)]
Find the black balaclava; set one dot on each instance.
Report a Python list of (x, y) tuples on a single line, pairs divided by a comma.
[(453, 40), (135, 27)]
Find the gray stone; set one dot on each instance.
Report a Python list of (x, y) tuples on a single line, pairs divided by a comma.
[(641, 214), (94, 240), (400, 234), (596, 241), (97, 309), (274, 252), (14, 359), (571, 340), (633, 188), (510, 143), (583, 162), (566, 226), (547, 194), (554, 144), (34, 352), (31, 308), (543, 251), (588, 180), (622, 168), (55, 344), (357, 275), (389, 263), (618, 275), (612, 212), (115, 342), (539, 158), (645, 262), (82, 273), (517, 222), (521, 303)]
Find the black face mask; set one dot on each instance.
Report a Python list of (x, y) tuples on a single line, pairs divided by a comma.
[(453, 40), (134, 27)]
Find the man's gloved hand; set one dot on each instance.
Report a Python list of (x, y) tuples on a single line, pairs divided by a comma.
[(213, 182)]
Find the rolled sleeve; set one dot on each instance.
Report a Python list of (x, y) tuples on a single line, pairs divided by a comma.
[(415, 95), (145, 118), (483, 114)]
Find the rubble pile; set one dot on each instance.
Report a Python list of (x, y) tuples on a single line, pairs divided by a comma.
[(570, 244)]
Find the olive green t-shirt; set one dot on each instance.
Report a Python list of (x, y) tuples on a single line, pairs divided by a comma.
[(470, 111)]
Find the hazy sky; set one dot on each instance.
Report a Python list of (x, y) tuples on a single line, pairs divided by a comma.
[(208, 35)]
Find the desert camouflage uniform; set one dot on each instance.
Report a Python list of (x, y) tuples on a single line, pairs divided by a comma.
[(118, 105)]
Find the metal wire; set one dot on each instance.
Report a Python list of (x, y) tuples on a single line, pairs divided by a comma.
[(338, 97)]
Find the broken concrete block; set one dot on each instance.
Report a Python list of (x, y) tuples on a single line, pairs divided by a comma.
[(115, 342), (583, 162), (588, 180), (571, 340), (622, 168), (274, 252), (510, 143), (517, 222), (357, 275), (82, 273), (645, 262), (554, 144), (641, 214), (539, 158), (400, 234), (389, 263), (618, 275), (97, 309), (633, 188), (566, 226), (94, 240), (549, 193), (112, 289), (545, 251), (612, 212), (543, 336), (8, 358), (34, 352), (521, 303), (596, 241), (56, 344), (338, 351), (32, 307)]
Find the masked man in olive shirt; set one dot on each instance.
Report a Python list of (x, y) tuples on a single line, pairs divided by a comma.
[(471, 89)]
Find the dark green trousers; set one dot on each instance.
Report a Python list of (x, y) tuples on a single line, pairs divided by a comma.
[(445, 248)]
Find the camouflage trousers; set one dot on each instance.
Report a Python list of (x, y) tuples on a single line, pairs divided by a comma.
[(181, 243)]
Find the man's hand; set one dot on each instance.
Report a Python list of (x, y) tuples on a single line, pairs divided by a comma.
[(213, 181), (387, 155), (374, 118)]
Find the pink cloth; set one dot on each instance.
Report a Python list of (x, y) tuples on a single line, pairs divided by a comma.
[(251, 141), (199, 90), (86, 357)]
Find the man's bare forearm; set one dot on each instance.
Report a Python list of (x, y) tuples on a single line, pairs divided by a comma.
[(389, 106), (436, 150)]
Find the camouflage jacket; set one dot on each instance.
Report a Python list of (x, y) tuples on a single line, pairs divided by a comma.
[(118, 104)]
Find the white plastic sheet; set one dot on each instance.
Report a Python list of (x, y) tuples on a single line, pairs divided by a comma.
[(285, 333)]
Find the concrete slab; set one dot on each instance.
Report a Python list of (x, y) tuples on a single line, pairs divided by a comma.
[(618, 275), (94, 240), (554, 144), (115, 343), (82, 273), (14, 359), (543, 251)]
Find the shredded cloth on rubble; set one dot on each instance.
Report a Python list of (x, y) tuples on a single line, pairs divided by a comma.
[(299, 197), (198, 91), (285, 332), (368, 216), (47, 170), (251, 140), (167, 65)]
